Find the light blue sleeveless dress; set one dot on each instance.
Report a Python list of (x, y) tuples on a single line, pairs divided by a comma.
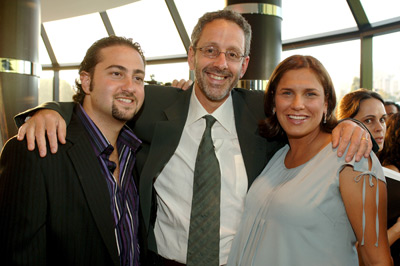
[(297, 216)]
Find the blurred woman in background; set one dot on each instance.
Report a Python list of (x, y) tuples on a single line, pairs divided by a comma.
[(368, 107), (390, 158), (390, 154)]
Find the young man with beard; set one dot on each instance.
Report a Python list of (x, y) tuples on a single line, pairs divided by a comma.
[(80, 206), (171, 126)]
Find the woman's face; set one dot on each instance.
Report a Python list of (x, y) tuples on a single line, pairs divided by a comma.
[(300, 103), (373, 115)]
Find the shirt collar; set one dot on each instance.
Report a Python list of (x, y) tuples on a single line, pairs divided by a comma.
[(224, 114), (99, 141)]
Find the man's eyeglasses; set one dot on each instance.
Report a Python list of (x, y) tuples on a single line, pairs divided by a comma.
[(214, 52)]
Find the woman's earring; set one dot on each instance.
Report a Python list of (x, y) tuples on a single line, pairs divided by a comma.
[(324, 119)]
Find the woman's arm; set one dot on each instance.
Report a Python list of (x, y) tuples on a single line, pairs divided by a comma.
[(364, 213)]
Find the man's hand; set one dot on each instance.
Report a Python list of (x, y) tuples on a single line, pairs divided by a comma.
[(360, 142), (182, 84), (35, 128)]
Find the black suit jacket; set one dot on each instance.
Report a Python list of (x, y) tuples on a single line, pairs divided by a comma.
[(55, 210), (393, 194), (159, 125)]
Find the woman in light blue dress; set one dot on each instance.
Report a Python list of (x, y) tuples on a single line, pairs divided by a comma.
[(308, 206)]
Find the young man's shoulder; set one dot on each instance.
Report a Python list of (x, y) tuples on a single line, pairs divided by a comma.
[(254, 100), (159, 97), (16, 155), (256, 95), (161, 90)]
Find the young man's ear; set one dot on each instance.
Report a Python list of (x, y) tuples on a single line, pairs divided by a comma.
[(85, 81)]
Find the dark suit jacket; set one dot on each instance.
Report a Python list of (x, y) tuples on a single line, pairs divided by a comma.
[(159, 125), (393, 193), (55, 210)]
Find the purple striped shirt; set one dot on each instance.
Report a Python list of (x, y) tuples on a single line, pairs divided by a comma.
[(124, 197)]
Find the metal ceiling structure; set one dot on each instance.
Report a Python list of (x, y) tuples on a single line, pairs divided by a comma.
[(364, 31)]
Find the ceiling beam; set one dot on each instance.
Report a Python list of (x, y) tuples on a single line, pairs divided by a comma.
[(178, 23), (385, 27), (149, 61), (107, 23), (48, 46), (359, 15)]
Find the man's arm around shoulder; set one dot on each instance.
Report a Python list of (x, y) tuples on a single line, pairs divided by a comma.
[(46, 120), (65, 109)]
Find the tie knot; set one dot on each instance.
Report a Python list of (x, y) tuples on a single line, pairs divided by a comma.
[(210, 120)]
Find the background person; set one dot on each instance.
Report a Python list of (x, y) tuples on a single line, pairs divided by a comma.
[(391, 108), (389, 157), (368, 107)]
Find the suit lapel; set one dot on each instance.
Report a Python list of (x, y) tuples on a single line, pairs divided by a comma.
[(167, 134), (252, 145), (93, 184), (165, 140)]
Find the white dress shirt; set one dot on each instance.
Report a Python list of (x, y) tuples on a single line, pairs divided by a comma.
[(174, 185)]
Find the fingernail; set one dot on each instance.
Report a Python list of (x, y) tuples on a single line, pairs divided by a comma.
[(340, 154)]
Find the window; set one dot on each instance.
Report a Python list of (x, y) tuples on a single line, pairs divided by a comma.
[(309, 17), (386, 69), (70, 38), (341, 60), (381, 10)]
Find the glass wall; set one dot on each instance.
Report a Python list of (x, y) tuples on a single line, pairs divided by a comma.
[(69, 39), (165, 73), (386, 54), (341, 60), (67, 84), (311, 17), (66, 87), (46, 86)]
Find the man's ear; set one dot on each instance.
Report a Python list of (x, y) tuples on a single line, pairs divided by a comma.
[(191, 59), (244, 66), (85, 81)]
